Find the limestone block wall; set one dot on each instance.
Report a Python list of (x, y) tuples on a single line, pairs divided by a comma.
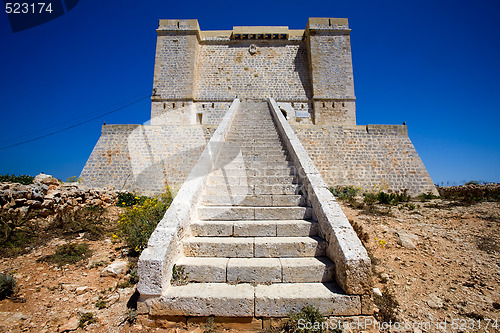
[(277, 68), (373, 157), (145, 158), (176, 53)]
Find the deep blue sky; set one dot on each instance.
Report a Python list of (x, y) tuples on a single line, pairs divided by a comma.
[(434, 64)]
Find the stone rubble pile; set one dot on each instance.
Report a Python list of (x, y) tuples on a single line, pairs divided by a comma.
[(48, 196)]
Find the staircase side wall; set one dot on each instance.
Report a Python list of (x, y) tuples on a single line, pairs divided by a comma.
[(373, 157), (144, 158)]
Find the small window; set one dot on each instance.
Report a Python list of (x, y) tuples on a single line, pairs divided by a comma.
[(199, 118), (173, 105)]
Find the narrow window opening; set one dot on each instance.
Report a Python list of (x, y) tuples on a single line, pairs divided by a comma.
[(164, 105), (199, 118), (173, 105), (213, 105), (178, 25), (203, 106), (343, 104), (333, 104), (324, 104)]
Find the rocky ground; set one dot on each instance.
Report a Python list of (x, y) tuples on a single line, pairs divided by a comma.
[(436, 263)]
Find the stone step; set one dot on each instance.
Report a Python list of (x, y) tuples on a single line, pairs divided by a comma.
[(256, 270), (251, 158), (264, 130), (245, 300), (232, 213), (252, 152), (261, 147), (258, 247), (252, 200), (248, 141), (206, 299), (239, 164), (245, 172), (265, 135), (279, 300), (254, 228), (250, 189), (251, 180)]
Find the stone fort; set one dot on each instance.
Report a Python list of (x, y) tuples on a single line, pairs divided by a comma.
[(253, 126), (308, 73)]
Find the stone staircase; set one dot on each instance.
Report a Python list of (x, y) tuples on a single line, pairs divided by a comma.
[(254, 250)]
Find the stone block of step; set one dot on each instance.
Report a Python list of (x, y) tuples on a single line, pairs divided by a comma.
[(289, 247), (225, 247), (296, 228), (226, 213), (212, 228), (275, 189), (250, 180), (314, 269), (278, 300), (212, 189), (281, 213), (203, 269), (206, 299), (286, 200), (238, 200), (254, 228), (254, 270)]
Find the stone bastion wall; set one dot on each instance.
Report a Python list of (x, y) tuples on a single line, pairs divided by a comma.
[(147, 158)]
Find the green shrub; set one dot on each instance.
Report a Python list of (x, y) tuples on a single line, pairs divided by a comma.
[(90, 220), (179, 276), (310, 317), (345, 193), (21, 179), (127, 199), (137, 223), (17, 231), (7, 286), (384, 198), (370, 198), (427, 196), (70, 253), (471, 193), (86, 319), (101, 303), (73, 179)]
